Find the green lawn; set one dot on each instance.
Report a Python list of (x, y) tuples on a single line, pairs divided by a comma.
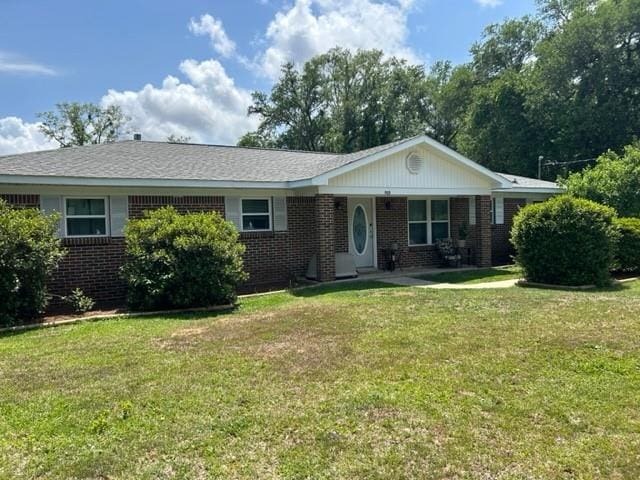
[(354, 381), (481, 275)]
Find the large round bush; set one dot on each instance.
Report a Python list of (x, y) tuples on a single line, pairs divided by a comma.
[(628, 251), (179, 261), (29, 252), (565, 241)]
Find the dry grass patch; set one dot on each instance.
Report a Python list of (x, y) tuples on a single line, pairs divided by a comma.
[(348, 381)]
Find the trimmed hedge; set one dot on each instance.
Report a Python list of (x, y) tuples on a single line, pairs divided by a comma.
[(565, 241), (181, 261), (628, 250), (29, 252)]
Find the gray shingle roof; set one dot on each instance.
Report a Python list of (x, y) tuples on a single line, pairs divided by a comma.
[(176, 161), (144, 160), (527, 182)]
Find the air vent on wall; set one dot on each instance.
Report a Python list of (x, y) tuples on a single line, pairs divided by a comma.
[(414, 163)]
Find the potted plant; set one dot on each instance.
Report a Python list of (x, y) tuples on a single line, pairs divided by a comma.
[(463, 234)]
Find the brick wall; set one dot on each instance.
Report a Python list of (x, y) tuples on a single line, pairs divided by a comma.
[(21, 200), (326, 235), (276, 258), (482, 233), (392, 227), (341, 224), (92, 264), (139, 203), (501, 247)]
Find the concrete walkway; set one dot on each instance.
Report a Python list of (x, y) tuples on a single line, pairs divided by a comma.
[(420, 283)]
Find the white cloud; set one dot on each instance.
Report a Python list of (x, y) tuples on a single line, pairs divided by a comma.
[(205, 103), (16, 65), (208, 107), (18, 136), (209, 26), (311, 27), (489, 3)]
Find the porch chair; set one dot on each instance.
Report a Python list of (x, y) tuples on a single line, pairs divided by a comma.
[(448, 253)]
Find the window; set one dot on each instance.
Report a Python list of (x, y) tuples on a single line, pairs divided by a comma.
[(439, 220), (256, 214), (417, 222), (85, 217), (428, 221)]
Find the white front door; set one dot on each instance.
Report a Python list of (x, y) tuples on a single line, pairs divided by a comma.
[(361, 231)]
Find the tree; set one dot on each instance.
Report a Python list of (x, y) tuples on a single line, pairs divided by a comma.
[(585, 96), (613, 181), (448, 94), (178, 138), (341, 102), (82, 123)]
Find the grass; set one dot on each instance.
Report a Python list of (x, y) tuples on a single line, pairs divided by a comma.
[(481, 275), (350, 381)]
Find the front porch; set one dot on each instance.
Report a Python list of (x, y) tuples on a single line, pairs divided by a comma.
[(368, 227)]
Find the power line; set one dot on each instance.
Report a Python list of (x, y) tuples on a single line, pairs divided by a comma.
[(556, 163)]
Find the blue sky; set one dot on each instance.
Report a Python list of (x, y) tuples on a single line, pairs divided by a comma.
[(187, 67)]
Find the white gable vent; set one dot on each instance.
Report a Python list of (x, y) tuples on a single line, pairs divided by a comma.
[(414, 163)]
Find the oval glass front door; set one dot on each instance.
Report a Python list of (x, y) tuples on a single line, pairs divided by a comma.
[(359, 226)]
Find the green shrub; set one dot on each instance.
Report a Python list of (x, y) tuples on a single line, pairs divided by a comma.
[(565, 241), (79, 301), (29, 252), (180, 261), (628, 250)]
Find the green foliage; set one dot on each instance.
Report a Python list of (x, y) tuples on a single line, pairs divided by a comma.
[(585, 97), (80, 302), (29, 252), (179, 261), (341, 102), (561, 84), (565, 241), (628, 249), (613, 181), (82, 123)]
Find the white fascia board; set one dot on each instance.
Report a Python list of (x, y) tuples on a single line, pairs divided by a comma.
[(389, 191), (137, 182), (551, 190), (323, 179)]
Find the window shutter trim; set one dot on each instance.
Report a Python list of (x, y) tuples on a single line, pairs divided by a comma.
[(499, 210), (50, 204), (119, 214), (472, 210), (279, 214), (232, 211)]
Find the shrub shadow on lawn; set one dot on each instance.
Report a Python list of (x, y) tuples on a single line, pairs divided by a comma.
[(344, 286), (614, 287), (187, 315)]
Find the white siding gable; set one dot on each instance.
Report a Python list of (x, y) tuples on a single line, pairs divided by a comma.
[(437, 173)]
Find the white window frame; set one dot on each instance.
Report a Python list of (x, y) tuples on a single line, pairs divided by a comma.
[(269, 213), (429, 221), (447, 221), (106, 215)]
